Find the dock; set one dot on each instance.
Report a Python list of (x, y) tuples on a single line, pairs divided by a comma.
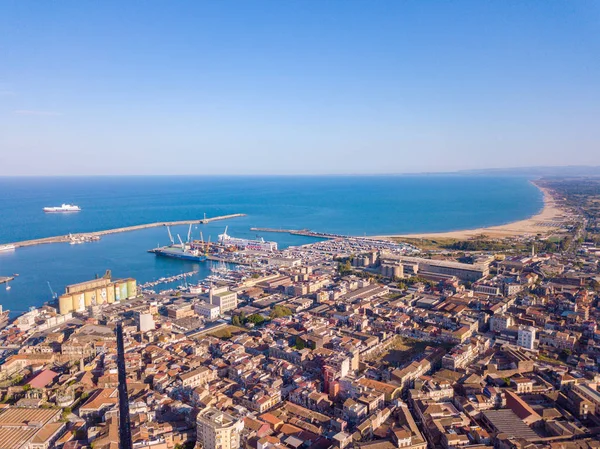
[(303, 232), (220, 259), (89, 235), (6, 279)]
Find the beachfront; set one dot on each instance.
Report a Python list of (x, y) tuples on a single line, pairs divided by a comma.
[(548, 220)]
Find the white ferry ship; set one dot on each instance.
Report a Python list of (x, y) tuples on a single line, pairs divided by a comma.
[(63, 208), (4, 248), (254, 245)]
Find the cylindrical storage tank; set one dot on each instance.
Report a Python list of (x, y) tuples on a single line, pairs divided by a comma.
[(131, 288), (79, 302), (88, 295), (101, 295), (110, 294), (65, 304), (123, 289)]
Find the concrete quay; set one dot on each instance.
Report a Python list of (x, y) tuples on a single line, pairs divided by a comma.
[(87, 235), (6, 279), (304, 232)]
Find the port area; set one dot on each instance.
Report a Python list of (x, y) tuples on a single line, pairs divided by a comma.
[(6, 279), (91, 236), (303, 232)]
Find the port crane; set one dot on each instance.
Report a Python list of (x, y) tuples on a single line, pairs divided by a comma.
[(170, 235), (54, 295), (189, 236), (207, 247)]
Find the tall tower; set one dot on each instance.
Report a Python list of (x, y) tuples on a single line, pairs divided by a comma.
[(124, 423)]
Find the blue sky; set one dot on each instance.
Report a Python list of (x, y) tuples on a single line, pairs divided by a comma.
[(265, 87)]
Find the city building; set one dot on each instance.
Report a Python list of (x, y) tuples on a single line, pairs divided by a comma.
[(526, 337), (224, 298), (218, 430)]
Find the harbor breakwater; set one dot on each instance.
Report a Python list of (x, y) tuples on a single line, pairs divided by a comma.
[(95, 234)]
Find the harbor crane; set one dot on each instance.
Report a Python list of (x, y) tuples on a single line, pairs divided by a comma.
[(189, 236), (207, 247), (181, 241), (54, 295), (170, 235)]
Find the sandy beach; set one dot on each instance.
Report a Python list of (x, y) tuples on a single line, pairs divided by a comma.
[(546, 221)]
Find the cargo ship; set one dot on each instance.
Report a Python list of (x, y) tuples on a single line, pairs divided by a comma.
[(184, 250), (178, 252), (254, 245), (63, 208)]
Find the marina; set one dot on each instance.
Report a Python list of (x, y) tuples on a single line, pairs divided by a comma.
[(166, 280)]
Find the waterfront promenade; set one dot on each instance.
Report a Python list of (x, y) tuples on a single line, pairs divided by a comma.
[(89, 235)]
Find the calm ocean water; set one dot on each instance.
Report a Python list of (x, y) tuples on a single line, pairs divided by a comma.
[(355, 205)]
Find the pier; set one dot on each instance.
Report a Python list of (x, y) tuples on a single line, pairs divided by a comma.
[(6, 279), (303, 232), (91, 235)]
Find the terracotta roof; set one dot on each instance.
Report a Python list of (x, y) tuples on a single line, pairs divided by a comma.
[(43, 379)]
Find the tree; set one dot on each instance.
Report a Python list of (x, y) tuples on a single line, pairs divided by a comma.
[(280, 311), (235, 320), (300, 343), (345, 268), (256, 319)]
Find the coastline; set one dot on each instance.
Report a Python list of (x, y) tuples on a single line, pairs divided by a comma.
[(544, 222)]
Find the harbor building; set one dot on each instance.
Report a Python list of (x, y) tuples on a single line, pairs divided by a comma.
[(218, 430), (78, 297)]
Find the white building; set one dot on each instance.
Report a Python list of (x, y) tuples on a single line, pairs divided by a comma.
[(218, 430), (526, 337), (499, 323), (145, 322), (209, 311), (222, 297)]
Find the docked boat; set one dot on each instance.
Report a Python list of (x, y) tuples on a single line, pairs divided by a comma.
[(254, 245), (6, 248), (179, 252), (63, 208)]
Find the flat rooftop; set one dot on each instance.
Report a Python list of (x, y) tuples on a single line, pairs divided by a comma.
[(507, 422)]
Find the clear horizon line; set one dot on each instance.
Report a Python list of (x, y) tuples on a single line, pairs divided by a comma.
[(453, 172)]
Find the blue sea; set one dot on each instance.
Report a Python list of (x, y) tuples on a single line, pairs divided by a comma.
[(353, 205)]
